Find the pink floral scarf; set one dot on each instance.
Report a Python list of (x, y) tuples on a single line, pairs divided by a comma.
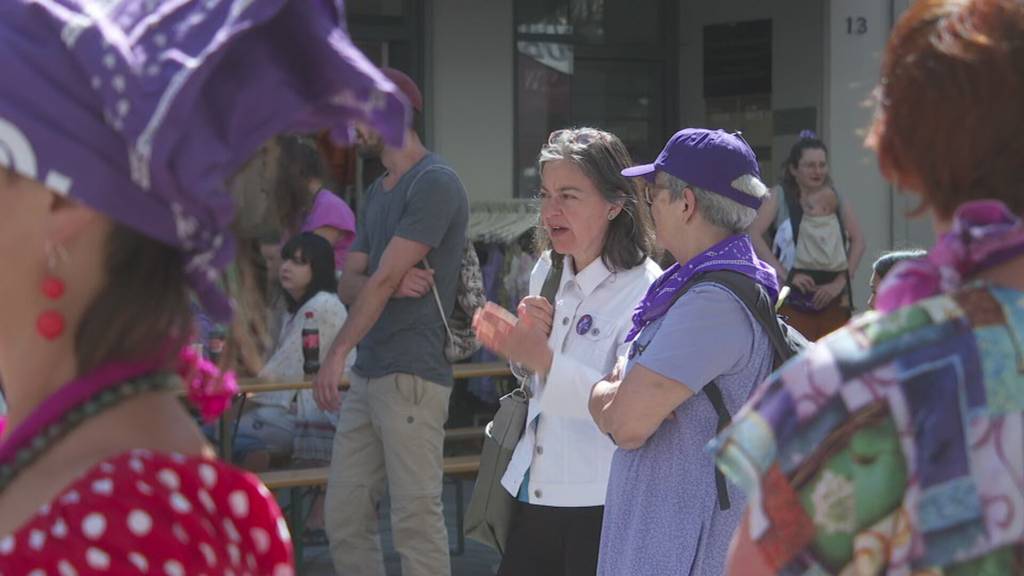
[(207, 388), (985, 234)]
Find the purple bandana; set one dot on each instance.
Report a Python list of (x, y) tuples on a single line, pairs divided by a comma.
[(985, 233), (143, 109), (735, 253)]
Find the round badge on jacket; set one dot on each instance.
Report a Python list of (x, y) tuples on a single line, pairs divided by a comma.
[(584, 325)]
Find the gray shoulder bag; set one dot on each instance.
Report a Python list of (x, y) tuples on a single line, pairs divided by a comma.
[(489, 516)]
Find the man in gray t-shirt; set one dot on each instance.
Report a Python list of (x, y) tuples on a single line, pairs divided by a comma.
[(428, 206), (665, 513), (390, 434)]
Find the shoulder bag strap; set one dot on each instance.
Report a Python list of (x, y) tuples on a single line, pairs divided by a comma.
[(548, 290), (846, 248)]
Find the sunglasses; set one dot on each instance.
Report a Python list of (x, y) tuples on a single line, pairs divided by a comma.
[(577, 136)]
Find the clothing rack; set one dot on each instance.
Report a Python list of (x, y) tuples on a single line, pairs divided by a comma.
[(501, 221)]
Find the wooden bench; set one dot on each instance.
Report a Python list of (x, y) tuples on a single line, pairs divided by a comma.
[(456, 468)]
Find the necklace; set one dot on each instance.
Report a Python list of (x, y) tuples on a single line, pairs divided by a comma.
[(49, 434)]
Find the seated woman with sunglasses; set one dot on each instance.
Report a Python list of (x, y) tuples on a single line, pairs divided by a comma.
[(288, 423), (595, 239)]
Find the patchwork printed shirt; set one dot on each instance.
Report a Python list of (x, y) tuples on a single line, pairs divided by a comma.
[(895, 445)]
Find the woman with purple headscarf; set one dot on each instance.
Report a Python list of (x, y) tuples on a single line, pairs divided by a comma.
[(119, 124)]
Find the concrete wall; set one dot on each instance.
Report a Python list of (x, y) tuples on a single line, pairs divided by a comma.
[(471, 98), (815, 63), (797, 59), (853, 70), (907, 232)]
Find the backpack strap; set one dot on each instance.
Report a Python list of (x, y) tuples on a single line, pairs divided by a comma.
[(795, 211), (714, 394), (846, 249), (757, 302), (426, 263), (755, 299)]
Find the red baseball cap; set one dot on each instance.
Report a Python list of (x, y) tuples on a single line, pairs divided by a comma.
[(407, 86)]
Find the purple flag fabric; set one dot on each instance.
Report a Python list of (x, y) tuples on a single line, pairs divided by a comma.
[(142, 109)]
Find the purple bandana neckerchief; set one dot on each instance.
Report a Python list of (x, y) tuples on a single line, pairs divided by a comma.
[(735, 253), (984, 234)]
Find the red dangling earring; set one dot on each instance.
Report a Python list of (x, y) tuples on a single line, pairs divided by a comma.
[(50, 324)]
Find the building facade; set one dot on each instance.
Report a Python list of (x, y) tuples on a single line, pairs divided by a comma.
[(499, 75)]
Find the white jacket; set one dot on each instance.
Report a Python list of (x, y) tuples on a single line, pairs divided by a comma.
[(568, 457)]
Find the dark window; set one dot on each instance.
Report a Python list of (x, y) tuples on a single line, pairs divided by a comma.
[(738, 59), (738, 84), (390, 33), (600, 63), (374, 7)]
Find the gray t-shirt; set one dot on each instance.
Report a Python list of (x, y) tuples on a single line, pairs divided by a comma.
[(427, 205), (661, 513)]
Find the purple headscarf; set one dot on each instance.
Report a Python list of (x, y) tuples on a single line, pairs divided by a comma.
[(985, 233), (142, 109)]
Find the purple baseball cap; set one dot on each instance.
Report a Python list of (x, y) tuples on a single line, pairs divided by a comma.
[(142, 109), (713, 160)]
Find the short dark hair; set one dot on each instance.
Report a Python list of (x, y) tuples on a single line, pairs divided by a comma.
[(949, 120), (319, 253), (886, 261), (602, 157)]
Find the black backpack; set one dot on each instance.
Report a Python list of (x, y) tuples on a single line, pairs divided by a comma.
[(786, 343)]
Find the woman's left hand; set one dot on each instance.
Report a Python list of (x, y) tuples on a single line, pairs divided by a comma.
[(826, 293), (502, 333)]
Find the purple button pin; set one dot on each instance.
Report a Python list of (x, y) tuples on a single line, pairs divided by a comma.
[(583, 326)]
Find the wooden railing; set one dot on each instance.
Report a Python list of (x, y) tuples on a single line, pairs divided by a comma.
[(461, 372), (247, 386)]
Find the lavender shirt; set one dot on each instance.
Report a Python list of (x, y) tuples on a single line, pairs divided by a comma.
[(661, 513), (329, 210)]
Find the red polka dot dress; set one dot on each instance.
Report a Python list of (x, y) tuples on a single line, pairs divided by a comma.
[(152, 513)]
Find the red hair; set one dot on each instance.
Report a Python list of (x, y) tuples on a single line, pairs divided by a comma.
[(950, 123)]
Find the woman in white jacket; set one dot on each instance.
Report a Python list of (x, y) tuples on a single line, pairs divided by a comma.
[(596, 238)]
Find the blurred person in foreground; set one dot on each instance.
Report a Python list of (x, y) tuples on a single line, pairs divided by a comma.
[(119, 128), (896, 445)]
